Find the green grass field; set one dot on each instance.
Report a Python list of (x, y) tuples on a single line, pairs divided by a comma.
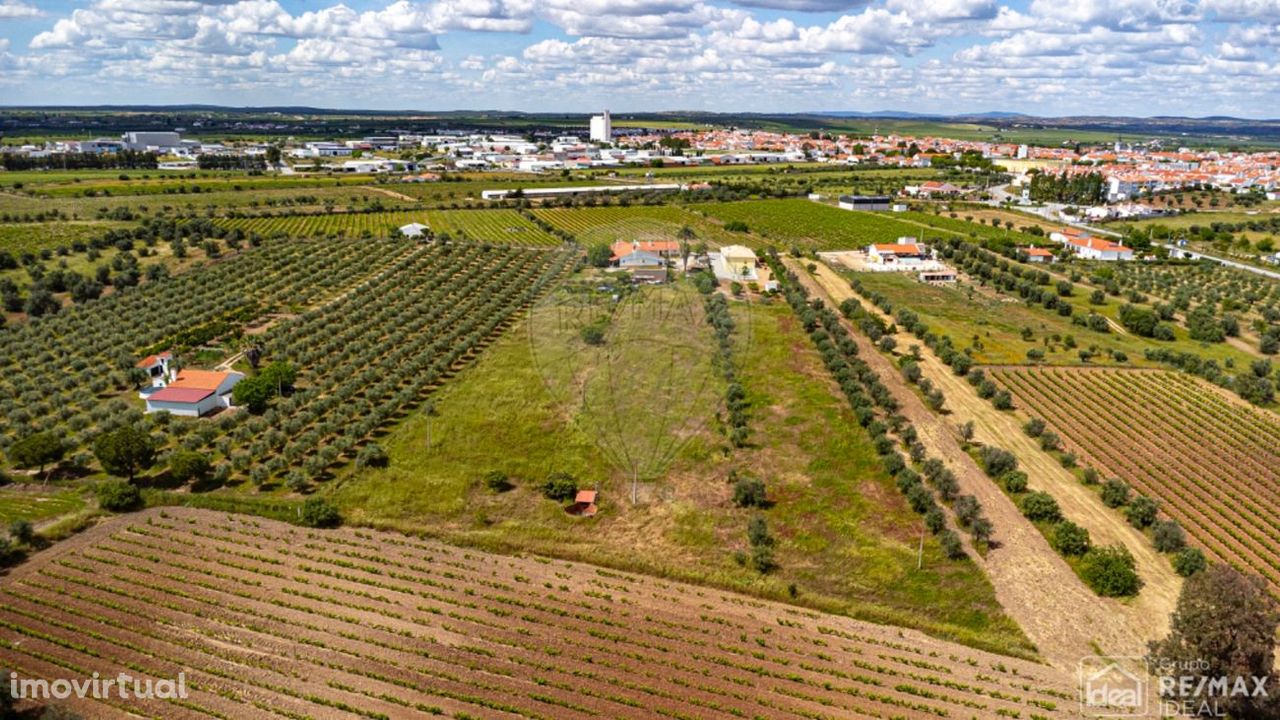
[(19, 238), (35, 505), (636, 222), (506, 227), (809, 224), (847, 540)]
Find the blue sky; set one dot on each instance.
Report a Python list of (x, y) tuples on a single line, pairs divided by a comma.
[(1052, 57)]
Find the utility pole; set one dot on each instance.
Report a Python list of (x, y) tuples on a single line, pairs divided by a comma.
[(920, 552)]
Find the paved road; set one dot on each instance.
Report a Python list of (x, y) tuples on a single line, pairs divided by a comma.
[(1183, 252)]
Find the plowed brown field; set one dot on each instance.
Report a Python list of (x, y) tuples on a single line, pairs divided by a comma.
[(271, 620)]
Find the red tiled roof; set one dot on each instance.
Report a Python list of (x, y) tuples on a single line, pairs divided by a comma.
[(903, 249), (1096, 244), (1037, 252), (150, 360), (199, 379), (587, 497), (180, 395)]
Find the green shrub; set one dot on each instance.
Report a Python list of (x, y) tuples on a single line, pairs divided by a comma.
[(1110, 571), (1167, 536), (749, 492), (118, 495), (1069, 539), (1040, 506), (372, 456), (497, 481), (1189, 561), (188, 465), (1115, 493), (1142, 512), (559, 486), (318, 512), (996, 461), (951, 545), (1034, 427), (1015, 482), (758, 531)]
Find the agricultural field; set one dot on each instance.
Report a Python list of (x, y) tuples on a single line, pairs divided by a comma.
[(213, 203), (329, 308), (35, 238), (31, 503), (157, 182), (809, 225), (993, 326), (270, 620), (1190, 284), (643, 222), (1212, 462), (506, 227), (962, 225), (847, 540)]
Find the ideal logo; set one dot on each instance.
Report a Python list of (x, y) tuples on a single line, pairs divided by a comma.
[(1112, 687)]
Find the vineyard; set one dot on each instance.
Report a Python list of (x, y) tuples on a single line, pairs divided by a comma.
[(270, 620), (613, 223), (370, 326), (506, 227), (1213, 464), (813, 225)]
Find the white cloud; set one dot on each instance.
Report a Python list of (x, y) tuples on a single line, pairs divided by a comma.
[(937, 55), (18, 10)]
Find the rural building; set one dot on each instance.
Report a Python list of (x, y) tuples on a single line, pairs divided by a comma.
[(414, 230), (1037, 255), (1068, 234), (865, 202), (735, 262), (937, 276), (650, 275), (661, 248), (151, 140), (1099, 249), (602, 128), (156, 367), (584, 504), (641, 258), (933, 188), (194, 393), (904, 252)]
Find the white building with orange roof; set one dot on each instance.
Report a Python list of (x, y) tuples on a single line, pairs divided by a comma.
[(194, 393)]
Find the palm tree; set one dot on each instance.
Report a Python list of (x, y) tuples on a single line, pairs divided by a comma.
[(686, 236)]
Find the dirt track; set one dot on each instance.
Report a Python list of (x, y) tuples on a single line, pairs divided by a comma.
[(1065, 619)]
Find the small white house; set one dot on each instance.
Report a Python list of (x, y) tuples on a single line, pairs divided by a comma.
[(1092, 248), (735, 262), (194, 393), (1037, 255), (157, 368)]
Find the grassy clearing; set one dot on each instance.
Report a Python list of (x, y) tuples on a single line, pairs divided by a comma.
[(847, 541), (33, 505), (33, 238)]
